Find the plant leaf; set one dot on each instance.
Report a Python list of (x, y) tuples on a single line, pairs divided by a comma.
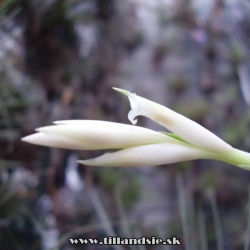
[(177, 137)]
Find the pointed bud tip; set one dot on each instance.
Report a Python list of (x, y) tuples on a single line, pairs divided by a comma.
[(125, 92), (24, 138), (45, 129), (41, 129), (83, 162), (69, 122), (29, 138)]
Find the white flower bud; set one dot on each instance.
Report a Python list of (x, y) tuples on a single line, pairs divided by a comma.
[(148, 155), (140, 146), (187, 129), (94, 135)]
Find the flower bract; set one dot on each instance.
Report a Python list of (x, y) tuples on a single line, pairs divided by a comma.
[(140, 146)]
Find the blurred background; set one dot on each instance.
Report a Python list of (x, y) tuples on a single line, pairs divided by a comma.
[(59, 59)]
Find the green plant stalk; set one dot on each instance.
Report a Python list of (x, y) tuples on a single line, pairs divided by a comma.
[(202, 230), (191, 217), (247, 241), (183, 213), (161, 234), (217, 221), (122, 214), (235, 157), (103, 216)]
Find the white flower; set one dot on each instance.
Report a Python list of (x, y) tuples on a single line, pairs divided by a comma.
[(140, 146), (148, 155), (94, 135), (187, 129)]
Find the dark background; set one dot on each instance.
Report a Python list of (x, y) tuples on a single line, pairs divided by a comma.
[(60, 59)]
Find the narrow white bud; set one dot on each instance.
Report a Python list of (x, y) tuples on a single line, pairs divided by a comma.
[(95, 135), (148, 155)]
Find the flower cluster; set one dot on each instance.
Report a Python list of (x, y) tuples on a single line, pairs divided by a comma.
[(140, 146)]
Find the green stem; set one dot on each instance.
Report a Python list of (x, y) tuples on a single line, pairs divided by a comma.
[(237, 157)]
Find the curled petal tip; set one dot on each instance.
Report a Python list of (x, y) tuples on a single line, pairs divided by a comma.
[(133, 103), (187, 129)]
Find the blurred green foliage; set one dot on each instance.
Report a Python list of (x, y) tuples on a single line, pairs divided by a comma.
[(129, 184), (5, 5)]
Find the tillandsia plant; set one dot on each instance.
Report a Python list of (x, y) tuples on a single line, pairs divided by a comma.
[(140, 146)]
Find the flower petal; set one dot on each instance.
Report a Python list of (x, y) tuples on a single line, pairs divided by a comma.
[(95, 135), (187, 129), (52, 141), (149, 155)]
